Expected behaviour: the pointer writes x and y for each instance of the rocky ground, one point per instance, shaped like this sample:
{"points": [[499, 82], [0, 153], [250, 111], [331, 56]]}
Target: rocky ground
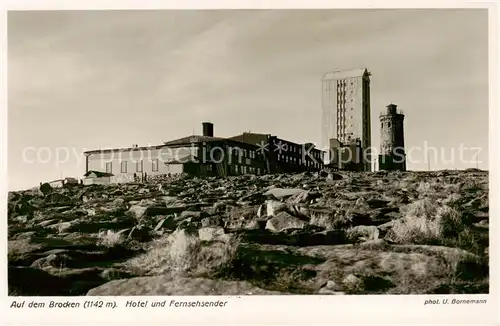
{"points": [[328, 233]]}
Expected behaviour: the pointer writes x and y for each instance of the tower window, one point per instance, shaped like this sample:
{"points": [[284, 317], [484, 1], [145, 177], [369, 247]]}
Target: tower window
{"points": [[389, 124]]}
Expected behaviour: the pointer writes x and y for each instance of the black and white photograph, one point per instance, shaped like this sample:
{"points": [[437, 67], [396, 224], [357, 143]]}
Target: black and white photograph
{"points": [[248, 152]]}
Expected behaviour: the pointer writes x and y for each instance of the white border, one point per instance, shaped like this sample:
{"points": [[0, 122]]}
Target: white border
{"points": [[270, 309]]}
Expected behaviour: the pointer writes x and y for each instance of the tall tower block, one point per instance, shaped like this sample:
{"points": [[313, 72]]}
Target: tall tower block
{"points": [[392, 144], [345, 101]]}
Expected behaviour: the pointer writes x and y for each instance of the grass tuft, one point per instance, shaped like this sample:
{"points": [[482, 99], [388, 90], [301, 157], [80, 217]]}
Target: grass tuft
{"points": [[184, 254], [428, 221]]}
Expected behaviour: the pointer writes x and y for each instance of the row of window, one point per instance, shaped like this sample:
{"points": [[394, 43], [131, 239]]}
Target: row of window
{"points": [[235, 151], [317, 154], [139, 166], [313, 164], [284, 147], [290, 159], [294, 149], [247, 153], [343, 83], [242, 169], [307, 163]]}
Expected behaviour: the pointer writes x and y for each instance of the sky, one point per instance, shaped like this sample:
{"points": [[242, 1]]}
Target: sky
{"points": [[84, 80]]}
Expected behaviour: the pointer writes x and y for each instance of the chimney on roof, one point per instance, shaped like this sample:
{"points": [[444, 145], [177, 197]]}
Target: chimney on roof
{"points": [[135, 146], [208, 129]]}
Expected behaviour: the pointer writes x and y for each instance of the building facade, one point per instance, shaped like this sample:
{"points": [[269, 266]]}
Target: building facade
{"points": [[392, 145], [346, 110], [283, 156], [201, 155]]}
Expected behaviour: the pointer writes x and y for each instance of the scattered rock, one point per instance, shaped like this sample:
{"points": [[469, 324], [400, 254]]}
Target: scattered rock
{"points": [[27, 281], [333, 176], [190, 214], [377, 203], [140, 234], [210, 233], [300, 239], [330, 288], [56, 200], [111, 274], [280, 193], [137, 211], [46, 189], [62, 227], [274, 207], [304, 197], [167, 285], [324, 291], [353, 283], [284, 221], [379, 244], [387, 226], [160, 210], [308, 233], [167, 223], [363, 233], [484, 224]]}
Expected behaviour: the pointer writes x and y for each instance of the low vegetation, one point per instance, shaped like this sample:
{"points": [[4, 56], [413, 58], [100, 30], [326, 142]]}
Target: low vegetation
{"points": [[348, 233]]}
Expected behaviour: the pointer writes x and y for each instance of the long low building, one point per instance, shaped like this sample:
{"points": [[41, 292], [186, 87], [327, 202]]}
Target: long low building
{"points": [[284, 156], [204, 155]]}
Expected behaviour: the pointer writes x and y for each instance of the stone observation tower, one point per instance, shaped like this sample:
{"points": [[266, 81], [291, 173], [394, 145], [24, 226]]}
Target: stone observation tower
{"points": [[392, 153]]}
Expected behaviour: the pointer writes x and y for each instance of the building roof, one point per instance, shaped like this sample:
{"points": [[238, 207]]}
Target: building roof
{"points": [[181, 141], [247, 137], [98, 174], [109, 150], [188, 157], [347, 73], [255, 133], [194, 139]]}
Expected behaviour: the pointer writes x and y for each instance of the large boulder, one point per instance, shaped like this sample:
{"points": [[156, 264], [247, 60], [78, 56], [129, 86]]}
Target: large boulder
{"points": [[387, 268], [299, 238], [281, 193], [284, 221], [273, 207], [168, 285], [45, 188]]}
